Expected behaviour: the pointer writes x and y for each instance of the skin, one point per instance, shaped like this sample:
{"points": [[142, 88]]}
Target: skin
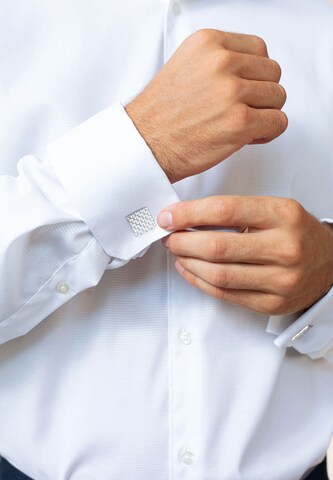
{"points": [[218, 89], [281, 264], [221, 90]]}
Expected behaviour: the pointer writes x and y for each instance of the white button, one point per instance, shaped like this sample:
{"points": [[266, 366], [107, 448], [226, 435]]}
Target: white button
{"points": [[62, 287], [188, 458], [301, 333], [185, 337], [176, 8]]}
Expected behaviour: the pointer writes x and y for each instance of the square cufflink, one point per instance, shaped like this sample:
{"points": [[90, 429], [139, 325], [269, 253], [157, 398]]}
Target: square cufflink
{"points": [[141, 221]]}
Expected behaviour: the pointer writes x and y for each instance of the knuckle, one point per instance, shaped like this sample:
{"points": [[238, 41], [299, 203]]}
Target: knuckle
{"points": [[233, 88], [283, 121], [223, 211], [296, 253], [222, 59], [293, 253], [241, 117], [294, 212], [260, 45], [276, 70], [215, 248], [291, 212], [277, 305], [283, 94], [220, 278], [220, 293], [291, 281], [192, 279], [280, 93], [203, 36], [279, 122], [183, 216]]}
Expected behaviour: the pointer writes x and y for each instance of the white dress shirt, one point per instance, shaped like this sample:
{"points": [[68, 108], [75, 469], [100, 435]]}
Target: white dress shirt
{"points": [[112, 367]]}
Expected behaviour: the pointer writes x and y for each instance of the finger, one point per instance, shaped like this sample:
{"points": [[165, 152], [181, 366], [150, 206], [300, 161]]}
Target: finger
{"points": [[258, 68], [224, 247], [243, 43], [223, 210], [263, 94], [260, 141], [259, 302], [235, 276], [267, 124]]}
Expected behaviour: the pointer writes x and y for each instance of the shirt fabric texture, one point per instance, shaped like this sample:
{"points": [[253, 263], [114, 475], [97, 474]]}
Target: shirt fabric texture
{"points": [[112, 367]]}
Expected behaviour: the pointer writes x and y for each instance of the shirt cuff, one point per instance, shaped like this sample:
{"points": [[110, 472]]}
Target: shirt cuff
{"points": [[327, 220], [115, 182], [310, 333]]}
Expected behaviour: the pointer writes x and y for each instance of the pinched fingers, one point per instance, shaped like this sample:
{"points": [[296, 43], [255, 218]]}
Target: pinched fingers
{"points": [[226, 211]]}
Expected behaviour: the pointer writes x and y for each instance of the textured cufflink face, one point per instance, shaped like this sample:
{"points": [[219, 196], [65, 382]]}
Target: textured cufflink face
{"points": [[141, 221]]}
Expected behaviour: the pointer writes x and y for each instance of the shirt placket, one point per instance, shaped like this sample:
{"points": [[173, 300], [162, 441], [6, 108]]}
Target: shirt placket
{"points": [[182, 398]]}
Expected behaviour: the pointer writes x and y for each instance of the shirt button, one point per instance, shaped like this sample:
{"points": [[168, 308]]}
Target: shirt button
{"points": [[62, 287], [185, 337], [176, 8], [188, 458]]}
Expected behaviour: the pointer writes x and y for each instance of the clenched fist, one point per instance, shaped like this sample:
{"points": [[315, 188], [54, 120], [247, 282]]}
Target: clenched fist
{"points": [[217, 93]]}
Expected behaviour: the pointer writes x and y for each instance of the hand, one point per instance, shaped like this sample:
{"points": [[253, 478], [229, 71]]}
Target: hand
{"points": [[281, 264], [217, 93]]}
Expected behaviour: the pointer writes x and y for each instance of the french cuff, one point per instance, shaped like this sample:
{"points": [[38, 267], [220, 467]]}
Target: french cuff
{"points": [[310, 333], [115, 182]]}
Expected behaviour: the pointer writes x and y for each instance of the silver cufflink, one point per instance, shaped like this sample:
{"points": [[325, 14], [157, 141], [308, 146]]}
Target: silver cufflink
{"points": [[141, 221], [301, 332]]}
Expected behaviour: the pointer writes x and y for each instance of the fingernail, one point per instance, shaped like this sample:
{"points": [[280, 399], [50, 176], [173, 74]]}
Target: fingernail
{"points": [[179, 267], [164, 219]]}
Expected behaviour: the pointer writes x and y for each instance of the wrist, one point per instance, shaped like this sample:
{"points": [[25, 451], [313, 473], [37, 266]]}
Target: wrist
{"points": [[149, 131], [329, 228]]}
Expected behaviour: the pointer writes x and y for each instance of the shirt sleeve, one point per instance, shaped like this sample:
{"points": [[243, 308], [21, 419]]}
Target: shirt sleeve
{"points": [[310, 333], [91, 204]]}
